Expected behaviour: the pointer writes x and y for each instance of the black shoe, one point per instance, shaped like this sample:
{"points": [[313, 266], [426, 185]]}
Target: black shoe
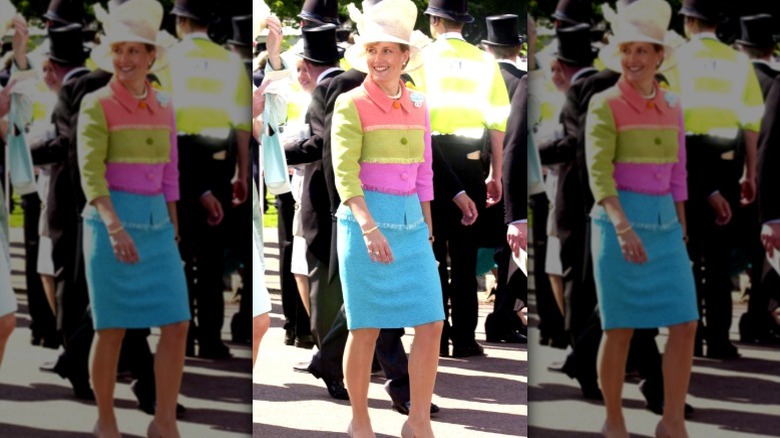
{"points": [[57, 366], [289, 337], [509, 337], [655, 404], [214, 351], [468, 350], [302, 367], [444, 350], [82, 391], [337, 390], [725, 350], [557, 367], [306, 342], [148, 404], [403, 408]]}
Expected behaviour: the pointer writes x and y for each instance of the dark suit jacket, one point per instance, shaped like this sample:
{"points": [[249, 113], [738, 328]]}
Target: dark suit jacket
{"points": [[512, 76], [769, 157], [515, 160], [568, 153], [315, 201], [766, 75], [65, 200]]}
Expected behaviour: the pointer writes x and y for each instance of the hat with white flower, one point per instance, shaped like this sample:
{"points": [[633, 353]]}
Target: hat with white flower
{"points": [[389, 21], [643, 21], [135, 21]]}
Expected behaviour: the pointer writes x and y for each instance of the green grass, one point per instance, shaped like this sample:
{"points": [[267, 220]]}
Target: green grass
{"points": [[271, 217], [16, 219]]}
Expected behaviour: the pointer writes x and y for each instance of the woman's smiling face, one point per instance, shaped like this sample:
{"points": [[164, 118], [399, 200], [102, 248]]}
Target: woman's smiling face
{"points": [[132, 61]]}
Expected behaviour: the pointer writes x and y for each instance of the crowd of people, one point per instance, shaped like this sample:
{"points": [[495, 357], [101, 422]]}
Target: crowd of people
{"points": [[657, 164], [140, 141], [407, 168]]}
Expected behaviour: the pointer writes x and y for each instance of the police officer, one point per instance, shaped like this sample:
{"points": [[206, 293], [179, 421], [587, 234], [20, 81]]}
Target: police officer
{"points": [[213, 111], [721, 98], [462, 119]]}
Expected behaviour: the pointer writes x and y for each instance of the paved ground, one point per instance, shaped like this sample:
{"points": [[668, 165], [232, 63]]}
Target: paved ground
{"points": [[36, 404], [736, 398], [479, 397]]}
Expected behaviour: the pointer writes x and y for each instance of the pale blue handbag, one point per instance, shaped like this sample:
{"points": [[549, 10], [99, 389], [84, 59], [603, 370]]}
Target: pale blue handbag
{"points": [[274, 162], [20, 163]]}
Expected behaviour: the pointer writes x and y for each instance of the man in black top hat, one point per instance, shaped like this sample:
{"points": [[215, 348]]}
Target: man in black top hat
{"points": [[319, 12], [758, 41], [321, 58], [67, 56], [503, 42], [756, 325]]}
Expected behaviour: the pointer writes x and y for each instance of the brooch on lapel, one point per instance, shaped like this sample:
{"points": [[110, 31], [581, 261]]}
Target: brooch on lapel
{"points": [[163, 98], [671, 99], [417, 99]]}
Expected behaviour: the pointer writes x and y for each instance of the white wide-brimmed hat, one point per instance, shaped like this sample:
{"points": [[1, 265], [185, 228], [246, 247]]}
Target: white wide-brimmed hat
{"points": [[643, 21], [7, 14], [135, 21], [389, 21]]}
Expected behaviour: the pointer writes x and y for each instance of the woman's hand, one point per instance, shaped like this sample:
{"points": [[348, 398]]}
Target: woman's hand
{"points": [[124, 247], [631, 246], [378, 247]]}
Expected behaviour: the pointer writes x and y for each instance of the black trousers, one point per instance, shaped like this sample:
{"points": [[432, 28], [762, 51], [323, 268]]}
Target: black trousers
{"points": [[710, 248], [325, 293], [296, 320], [202, 248], [43, 323]]}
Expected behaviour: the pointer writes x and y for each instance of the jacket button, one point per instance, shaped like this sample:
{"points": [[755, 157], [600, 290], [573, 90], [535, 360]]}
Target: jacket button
{"points": [[657, 140], [404, 176], [149, 141], [396, 105], [659, 176], [404, 140], [150, 176]]}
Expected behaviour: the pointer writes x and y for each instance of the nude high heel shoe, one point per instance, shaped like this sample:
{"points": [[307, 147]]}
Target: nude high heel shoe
{"points": [[152, 431], [349, 429], [406, 430]]}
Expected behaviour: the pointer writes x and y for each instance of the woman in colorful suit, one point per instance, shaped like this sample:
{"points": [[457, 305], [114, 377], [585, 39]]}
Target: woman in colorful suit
{"points": [[636, 162], [128, 163], [382, 164]]}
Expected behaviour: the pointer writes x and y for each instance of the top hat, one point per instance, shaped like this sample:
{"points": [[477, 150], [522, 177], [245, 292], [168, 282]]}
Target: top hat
{"points": [[453, 10], [574, 45], [65, 11], [757, 31], [708, 10], [200, 10], [320, 11], [644, 21], [319, 44], [242, 31], [502, 30], [135, 21], [390, 21], [66, 45], [573, 11]]}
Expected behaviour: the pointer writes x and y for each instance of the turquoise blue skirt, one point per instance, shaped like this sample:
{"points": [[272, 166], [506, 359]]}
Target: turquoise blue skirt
{"points": [[658, 293], [405, 293], [150, 293]]}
